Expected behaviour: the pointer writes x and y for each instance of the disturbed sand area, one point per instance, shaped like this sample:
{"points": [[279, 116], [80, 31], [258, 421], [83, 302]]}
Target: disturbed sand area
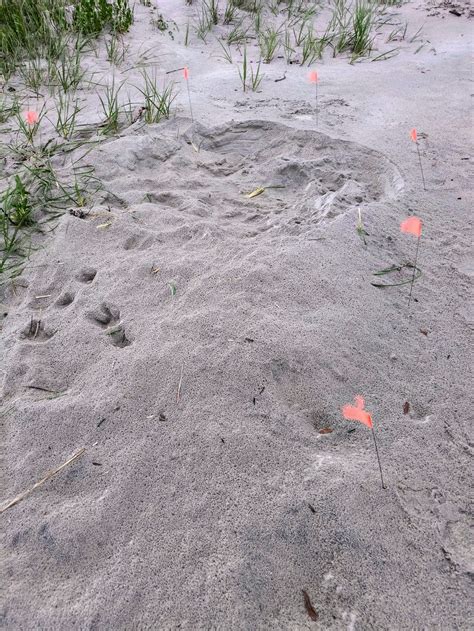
{"points": [[216, 510]]}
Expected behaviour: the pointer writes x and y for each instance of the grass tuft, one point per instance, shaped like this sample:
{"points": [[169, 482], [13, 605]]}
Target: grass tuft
{"points": [[158, 102]]}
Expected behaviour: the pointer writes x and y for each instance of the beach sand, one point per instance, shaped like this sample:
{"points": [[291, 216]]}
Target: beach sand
{"points": [[200, 345]]}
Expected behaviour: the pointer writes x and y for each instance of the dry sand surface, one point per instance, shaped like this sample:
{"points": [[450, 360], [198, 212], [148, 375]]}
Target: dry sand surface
{"points": [[200, 344]]}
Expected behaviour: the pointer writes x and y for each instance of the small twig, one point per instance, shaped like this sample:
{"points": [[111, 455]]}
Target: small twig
{"points": [[38, 324], [175, 70], [49, 475], [178, 393]]}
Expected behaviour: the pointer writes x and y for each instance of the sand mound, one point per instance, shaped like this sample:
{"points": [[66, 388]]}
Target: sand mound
{"points": [[308, 177]]}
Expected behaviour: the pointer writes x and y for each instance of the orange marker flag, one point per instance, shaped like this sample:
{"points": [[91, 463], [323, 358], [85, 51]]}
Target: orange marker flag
{"points": [[414, 137], [357, 413], [31, 117], [186, 73], [313, 78], [412, 225]]}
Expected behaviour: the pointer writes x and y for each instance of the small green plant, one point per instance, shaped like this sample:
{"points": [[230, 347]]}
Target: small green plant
{"points": [[15, 215], [299, 34], [115, 49], [398, 34], [212, 8], [8, 108], [312, 48], [274, 6], [257, 22], [229, 14], [67, 72], [340, 26], [204, 25], [244, 71], [415, 38], [29, 123], [111, 108], [122, 16], [16, 205], [160, 23], [29, 30], [269, 43], [249, 77], [34, 74], [252, 6], [288, 48], [360, 229], [67, 110], [398, 269], [238, 35], [362, 22], [90, 17], [226, 50], [157, 102], [164, 26], [255, 77]]}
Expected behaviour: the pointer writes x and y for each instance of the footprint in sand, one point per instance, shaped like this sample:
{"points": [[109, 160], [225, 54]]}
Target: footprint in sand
{"points": [[65, 299], [108, 317], [138, 242], [87, 275]]}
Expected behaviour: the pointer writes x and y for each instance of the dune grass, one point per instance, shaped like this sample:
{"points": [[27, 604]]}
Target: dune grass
{"points": [[30, 30], [37, 30], [42, 45], [157, 101], [15, 215], [294, 25]]}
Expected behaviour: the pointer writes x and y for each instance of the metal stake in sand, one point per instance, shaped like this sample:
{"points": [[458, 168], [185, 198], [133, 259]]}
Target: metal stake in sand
{"points": [[357, 413], [412, 225], [313, 78], [186, 78], [414, 137]]}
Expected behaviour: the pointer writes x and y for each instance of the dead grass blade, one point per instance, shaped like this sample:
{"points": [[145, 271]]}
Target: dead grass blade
{"points": [[49, 475]]}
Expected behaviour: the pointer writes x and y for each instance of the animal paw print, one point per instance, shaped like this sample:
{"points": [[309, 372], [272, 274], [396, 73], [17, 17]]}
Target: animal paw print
{"points": [[137, 241], [108, 318], [65, 299], [87, 275]]}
